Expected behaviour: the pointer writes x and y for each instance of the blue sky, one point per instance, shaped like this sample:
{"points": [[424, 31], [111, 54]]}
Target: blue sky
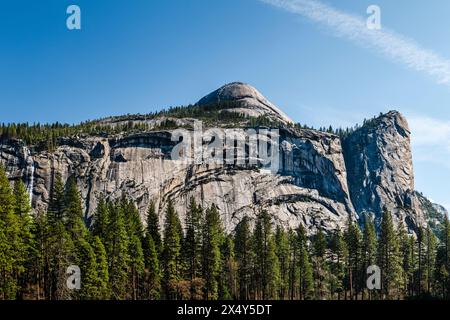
{"points": [[140, 56]]}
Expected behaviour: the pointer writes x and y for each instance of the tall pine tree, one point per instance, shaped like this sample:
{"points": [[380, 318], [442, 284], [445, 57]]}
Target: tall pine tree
{"points": [[227, 280], [212, 240], [354, 273], [338, 268], [283, 254], [443, 261], [171, 255], [430, 259], [193, 244], [389, 257], [244, 257], [26, 250], [369, 248], [117, 251], [153, 226], [152, 287], [267, 265], [10, 241], [303, 263], [320, 264], [102, 281], [407, 260], [101, 219]]}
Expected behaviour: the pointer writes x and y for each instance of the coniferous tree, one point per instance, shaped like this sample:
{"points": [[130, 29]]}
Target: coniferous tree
{"points": [[27, 246], [56, 203], [84, 253], [420, 254], [266, 261], [171, 253], [338, 268], [135, 236], [87, 262], [353, 241], [73, 211], [282, 251], [193, 245], [55, 245], [117, 251], [305, 275], [153, 226], [153, 274], [293, 263], [227, 279], [133, 223], [10, 241], [407, 260], [442, 275], [59, 255], [389, 257], [430, 259], [39, 266], [212, 240], [320, 267], [443, 260], [273, 270], [101, 219], [244, 257], [369, 248], [137, 267], [102, 284]]}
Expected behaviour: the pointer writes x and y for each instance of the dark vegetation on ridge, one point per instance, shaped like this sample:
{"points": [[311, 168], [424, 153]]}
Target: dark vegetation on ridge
{"points": [[46, 137]]}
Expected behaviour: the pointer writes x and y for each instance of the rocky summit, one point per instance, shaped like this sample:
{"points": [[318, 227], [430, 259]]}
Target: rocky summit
{"points": [[322, 179], [244, 99]]}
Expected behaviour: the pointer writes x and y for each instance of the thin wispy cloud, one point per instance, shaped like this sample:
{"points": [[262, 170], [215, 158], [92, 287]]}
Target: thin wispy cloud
{"points": [[430, 132], [430, 140], [387, 42]]}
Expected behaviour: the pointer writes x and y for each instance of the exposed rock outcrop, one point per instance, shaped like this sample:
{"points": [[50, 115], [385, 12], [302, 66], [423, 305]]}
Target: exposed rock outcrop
{"points": [[310, 187], [380, 169], [243, 98], [434, 213], [319, 182]]}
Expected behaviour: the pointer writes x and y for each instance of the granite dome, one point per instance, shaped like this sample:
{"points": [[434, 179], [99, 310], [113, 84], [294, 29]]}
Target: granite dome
{"points": [[244, 99]]}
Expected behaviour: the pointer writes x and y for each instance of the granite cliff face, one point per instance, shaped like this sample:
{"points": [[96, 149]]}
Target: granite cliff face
{"points": [[320, 181], [380, 170]]}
